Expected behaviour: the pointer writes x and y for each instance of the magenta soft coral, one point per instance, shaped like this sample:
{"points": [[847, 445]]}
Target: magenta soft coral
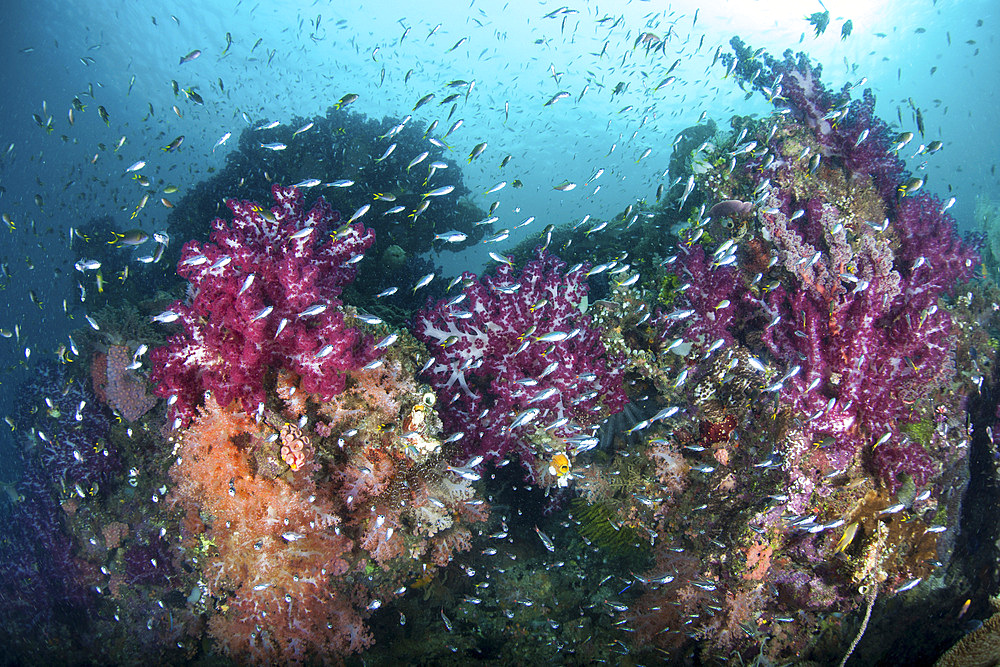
{"points": [[513, 327], [255, 263], [873, 348]]}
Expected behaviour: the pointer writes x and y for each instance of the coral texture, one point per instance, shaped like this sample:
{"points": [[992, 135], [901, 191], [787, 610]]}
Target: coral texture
{"points": [[264, 294], [516, 347], [125, 391], [275, 547]]}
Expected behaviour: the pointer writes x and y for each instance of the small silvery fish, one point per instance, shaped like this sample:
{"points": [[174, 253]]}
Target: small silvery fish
{"points": [[524, 417], [313, 310], [262, 313], [360, 212], [499, 236], [424, 281], [440, 191], [281, 326], [453, 236], [387, 153], [387, 341], [546, 540], [417, 160], [221, 141], [246, 284], [464, 473], [166, 317]]}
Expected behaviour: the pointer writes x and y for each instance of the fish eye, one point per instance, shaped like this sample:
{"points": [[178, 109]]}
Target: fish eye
{"points": [[429, 399]]}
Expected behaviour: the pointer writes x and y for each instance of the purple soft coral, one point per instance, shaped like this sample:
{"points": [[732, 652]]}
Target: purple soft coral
{"points": [[515, 343]]}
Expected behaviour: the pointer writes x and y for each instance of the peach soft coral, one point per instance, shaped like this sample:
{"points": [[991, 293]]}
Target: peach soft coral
{"points": [[275, 550]]}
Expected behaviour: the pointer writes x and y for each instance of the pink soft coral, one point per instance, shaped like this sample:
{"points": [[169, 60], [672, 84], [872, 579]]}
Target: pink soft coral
{"points": [[264, 294]]}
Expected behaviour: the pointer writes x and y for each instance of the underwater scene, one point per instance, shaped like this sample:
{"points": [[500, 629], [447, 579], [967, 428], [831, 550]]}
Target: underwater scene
{"points": [[501, 333]]}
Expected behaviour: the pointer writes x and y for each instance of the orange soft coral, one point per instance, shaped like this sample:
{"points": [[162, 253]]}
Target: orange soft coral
{"points": [[758, 561], [277, 548], [286, 386]]}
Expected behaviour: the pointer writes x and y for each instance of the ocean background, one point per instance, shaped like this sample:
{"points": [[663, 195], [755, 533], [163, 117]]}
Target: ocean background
{"points": [[296, 59]]}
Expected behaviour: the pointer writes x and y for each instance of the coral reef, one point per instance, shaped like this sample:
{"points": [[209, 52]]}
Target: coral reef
{"points": [[274, 546], [300, 529], [808, 349], [68, 432]]}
